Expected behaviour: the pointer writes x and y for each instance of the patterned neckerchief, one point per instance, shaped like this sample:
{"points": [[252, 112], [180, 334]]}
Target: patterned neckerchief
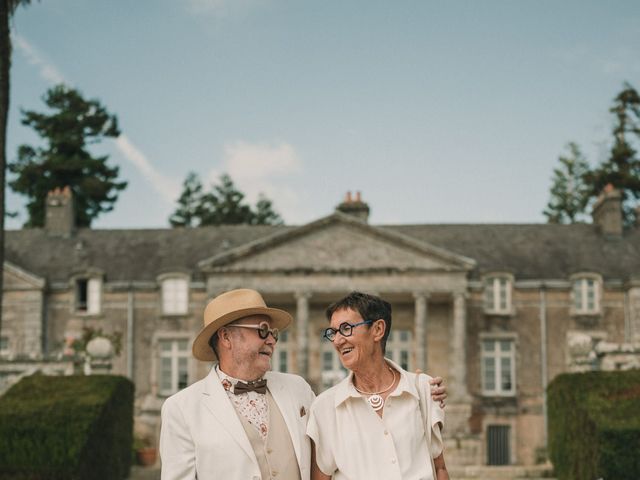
{"points": [[251, 405]]}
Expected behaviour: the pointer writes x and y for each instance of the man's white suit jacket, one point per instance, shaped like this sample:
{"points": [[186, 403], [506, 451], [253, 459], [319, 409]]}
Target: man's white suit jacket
{"points": [[202, 437]]}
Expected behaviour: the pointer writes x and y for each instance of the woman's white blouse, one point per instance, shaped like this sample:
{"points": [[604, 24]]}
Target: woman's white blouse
{"points": [[353, 442]]}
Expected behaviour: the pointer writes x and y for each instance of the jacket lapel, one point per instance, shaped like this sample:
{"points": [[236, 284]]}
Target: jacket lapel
{"points": [[217, 402], [285, 400]]}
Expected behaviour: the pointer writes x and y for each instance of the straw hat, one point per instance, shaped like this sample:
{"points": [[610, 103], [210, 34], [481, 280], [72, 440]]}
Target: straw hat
{"points": [[231, 306]]}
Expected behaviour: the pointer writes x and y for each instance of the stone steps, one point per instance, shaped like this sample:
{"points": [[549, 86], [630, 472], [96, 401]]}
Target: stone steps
{"points": [[510, 472]]}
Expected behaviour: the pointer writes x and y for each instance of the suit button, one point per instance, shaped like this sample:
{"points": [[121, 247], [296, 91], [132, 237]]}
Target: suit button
{"points": [[269, 451], [274, 473]]}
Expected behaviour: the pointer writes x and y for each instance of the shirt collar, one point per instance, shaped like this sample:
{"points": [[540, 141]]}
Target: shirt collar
{"points": [[227, 380], [346, 390]]}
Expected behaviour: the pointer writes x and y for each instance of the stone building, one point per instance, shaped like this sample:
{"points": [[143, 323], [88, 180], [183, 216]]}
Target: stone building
{"points": [[495, 309]]}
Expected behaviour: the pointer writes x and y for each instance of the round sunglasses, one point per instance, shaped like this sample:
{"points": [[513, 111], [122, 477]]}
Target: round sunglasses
{"points": [[262, 328]]}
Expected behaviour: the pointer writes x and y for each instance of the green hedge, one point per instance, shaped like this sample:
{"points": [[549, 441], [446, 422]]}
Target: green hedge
{"points": [[594, 425], [77, 427]]}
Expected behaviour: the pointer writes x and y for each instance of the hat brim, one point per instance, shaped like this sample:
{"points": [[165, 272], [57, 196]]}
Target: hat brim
{"points": [[203, 351]]}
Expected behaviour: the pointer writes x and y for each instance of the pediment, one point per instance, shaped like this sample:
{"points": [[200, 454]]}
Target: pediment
{"points": [[337, 243], [16, 278]]}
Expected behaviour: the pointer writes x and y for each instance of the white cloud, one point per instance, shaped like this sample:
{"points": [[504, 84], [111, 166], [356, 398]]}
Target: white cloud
{"points": [[268, 169], [47, 70], [244, 160], [167, 187]]}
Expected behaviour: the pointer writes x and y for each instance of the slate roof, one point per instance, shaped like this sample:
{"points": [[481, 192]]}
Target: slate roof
{"points": [[529, 251], [124, 255], [536, 251]]}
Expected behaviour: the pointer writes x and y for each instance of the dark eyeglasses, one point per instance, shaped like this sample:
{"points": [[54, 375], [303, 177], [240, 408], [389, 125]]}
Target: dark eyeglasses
{"points": [[263, 330], [345, 329]]}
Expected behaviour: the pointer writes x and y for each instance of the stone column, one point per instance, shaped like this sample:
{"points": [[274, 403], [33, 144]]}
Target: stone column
{"points": [[458, 360], [302, 338], [420, 323]]}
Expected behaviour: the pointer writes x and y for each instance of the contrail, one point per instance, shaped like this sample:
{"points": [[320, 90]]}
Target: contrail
{"points": [[167, 187], [47, 71]]}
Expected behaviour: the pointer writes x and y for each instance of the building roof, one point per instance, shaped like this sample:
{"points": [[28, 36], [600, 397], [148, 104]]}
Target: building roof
{"points": [[528, 251], [537, 251]]}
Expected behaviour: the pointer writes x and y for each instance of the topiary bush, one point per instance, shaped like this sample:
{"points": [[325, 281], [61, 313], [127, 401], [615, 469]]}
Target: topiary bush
{"points": [[74, 427], [594, 425]]}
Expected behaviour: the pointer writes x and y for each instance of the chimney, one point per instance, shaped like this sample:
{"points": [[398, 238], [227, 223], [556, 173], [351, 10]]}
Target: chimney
{"points": [[607, 211], [354, 206], [59, 212]]}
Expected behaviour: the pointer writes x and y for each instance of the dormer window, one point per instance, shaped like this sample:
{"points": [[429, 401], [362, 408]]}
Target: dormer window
{"points": [[497, 294], [88, 295], [585, 294], [175, 295]]}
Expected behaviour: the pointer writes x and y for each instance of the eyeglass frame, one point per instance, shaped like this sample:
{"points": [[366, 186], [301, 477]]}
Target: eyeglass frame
{"points": [[262, 329], [334, 331]]}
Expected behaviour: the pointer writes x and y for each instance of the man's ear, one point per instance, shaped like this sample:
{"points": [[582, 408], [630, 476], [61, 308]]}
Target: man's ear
{"points": [[223, 337]]}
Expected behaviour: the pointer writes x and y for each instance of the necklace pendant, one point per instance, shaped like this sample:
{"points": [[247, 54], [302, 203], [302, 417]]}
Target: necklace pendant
{"points": [[376, 402]]}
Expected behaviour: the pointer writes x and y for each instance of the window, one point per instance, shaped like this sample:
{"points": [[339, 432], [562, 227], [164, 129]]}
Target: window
{"points": [[280, 360], [586, 295], [498, 445], [88, 295], [497, 294], [498, 367], [399, 347], [174, 363], [175, 296], [4, 345], [332, 369]]}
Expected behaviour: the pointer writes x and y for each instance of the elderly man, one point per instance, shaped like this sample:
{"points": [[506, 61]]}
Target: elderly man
{"points": [[241, 421]]}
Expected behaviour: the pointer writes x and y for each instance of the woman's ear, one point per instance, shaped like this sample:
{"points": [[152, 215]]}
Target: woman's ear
{"points": [[379, 328]]}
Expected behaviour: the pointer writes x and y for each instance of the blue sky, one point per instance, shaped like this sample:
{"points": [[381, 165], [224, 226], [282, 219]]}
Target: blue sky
{"points": [[438, 112]]}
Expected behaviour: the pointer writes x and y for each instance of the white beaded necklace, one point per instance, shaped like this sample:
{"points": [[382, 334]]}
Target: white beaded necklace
{"points": [[375, 400]]}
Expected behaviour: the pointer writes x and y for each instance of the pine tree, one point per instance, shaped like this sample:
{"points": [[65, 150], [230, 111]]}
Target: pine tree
{"points": [[265, 214], [73, 124], [622, 168], [569, 192], [223, 204], [187, 214]]}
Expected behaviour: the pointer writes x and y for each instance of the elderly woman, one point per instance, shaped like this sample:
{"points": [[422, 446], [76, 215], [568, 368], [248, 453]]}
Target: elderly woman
{"points": [[370, 425]]}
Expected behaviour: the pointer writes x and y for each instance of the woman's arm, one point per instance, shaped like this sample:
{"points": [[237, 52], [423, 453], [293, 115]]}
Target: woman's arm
{"points": [[441, 468], [316, 473]]}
